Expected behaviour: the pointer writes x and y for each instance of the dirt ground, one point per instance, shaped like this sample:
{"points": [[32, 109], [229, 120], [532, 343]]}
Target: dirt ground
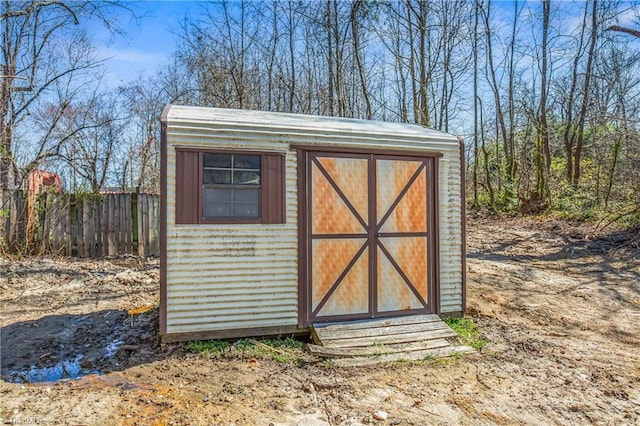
{"points": [[559, 306]]}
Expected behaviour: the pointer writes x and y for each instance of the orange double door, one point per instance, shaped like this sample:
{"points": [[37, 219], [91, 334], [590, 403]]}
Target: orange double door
{"points": [[368, 229]]}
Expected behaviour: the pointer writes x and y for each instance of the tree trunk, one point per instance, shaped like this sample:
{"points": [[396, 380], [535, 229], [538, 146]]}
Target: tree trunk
{"points": [[422, 61], [569, 134], [475, 105], [510, 146], [412, 64], [331, 74], [8, 177], [543, 152], [355, 7], [338, 65], [292, 88], [585, 99], [501, 128]]}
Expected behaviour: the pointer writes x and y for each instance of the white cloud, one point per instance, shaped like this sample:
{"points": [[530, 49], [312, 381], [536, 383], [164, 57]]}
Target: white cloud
{"points": [[628, 17], [126, 64], [131, 56]]}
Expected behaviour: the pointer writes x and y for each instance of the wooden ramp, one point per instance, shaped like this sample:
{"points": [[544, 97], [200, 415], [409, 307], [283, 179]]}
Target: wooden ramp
{"points": [[384, 340]]}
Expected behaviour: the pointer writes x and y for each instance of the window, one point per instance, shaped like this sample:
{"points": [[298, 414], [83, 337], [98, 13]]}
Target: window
{"points": [[229, 187]]}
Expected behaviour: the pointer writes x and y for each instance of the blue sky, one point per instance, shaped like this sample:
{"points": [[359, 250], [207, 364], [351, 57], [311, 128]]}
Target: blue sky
{"points": [[151, 38], [148, 41]]}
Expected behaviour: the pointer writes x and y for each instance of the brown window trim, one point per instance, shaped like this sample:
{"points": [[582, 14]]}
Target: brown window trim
{"points": [[189, 207]]}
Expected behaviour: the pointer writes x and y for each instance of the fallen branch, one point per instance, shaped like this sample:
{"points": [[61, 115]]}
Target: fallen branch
{"points": [[614, 219]]}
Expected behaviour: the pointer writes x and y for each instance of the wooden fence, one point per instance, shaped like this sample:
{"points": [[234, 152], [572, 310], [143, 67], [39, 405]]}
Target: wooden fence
{"points": [[93, 225]]}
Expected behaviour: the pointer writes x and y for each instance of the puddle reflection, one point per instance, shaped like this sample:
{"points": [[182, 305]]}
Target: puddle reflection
{"points": [[64, 370]]}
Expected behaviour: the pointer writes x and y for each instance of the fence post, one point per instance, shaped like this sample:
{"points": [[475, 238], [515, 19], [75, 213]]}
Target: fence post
{"points": [[87, 227], [97, 226], [105, 225], [32, 219], [55, 224], [115, 223], [18, 232], [135, 237], [46, 204], [128, 236], [156, 225], [58, 230], [145, 225], [68, 232], [80, 227], [119, 224]]}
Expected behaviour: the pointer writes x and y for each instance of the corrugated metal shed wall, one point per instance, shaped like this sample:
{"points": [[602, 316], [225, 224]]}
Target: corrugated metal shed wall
{"points": [[240, 276], [450, 233]]}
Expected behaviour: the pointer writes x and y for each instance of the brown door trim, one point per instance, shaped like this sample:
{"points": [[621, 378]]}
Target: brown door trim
{"points": [[373, 251], [434, 241], [395, 154], [303, 239], [307, 156]]}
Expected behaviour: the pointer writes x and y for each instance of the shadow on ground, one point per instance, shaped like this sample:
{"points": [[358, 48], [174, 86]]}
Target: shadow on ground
{"points": [[56, 347], [573, 245]]}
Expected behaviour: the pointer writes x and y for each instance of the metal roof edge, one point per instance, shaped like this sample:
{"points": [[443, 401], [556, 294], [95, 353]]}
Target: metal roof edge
{"points": [[184, 113], [165, 113]]}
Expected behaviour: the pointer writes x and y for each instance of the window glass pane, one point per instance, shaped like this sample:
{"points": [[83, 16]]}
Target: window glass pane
{"points": [[246, 178], [217, 194], [213, 206], [217, 160], [246, 210], [220, 203], [246, 161], [217, 210], [244, 195], [216, 176]]}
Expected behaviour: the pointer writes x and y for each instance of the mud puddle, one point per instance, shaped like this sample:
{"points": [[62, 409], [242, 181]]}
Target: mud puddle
{"points": [[73, 368], [64, 370], [62, 347]]}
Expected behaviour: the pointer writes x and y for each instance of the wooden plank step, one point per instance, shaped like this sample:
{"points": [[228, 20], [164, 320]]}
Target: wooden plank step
{"points": [[325, 334], [379, 322], [335, 352], [389, 339], [403, 356]]}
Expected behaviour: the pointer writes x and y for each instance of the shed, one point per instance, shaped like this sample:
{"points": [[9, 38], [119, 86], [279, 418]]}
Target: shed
{"points": [[272, 222]]}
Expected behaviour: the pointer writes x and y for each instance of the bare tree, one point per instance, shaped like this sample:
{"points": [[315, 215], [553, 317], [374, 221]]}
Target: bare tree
{"points": [[535, 100], [42, 51], [585, 99], [476, 14], [358, 12], [570, 131], [543, 151], [493, 81], [88, 135], [143, 107]]}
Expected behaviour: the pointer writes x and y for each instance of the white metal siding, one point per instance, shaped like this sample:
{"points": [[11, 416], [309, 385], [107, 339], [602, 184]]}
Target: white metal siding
{"points": [[450, 231], [240, 276], [230, 276]]}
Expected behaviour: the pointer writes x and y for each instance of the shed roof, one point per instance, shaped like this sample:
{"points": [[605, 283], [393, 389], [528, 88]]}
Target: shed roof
{"points": [[300, 122]]}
